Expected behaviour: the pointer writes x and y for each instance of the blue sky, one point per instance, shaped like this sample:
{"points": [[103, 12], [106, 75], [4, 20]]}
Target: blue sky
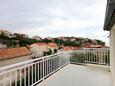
{"points": [[80, 18]]}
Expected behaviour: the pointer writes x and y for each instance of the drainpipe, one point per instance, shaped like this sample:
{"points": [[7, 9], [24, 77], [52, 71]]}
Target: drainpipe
{"points": [[112, 53]]}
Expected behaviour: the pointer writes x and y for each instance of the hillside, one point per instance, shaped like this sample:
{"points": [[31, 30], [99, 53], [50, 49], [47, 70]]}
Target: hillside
{"points": [[74, 41], [16, 39]]}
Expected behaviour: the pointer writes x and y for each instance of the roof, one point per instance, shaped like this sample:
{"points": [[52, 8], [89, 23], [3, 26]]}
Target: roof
{"points": [[70, 48], [110, 15], [13, 52], [40, 44], [67, 48], [97, 46], [52, 45]]}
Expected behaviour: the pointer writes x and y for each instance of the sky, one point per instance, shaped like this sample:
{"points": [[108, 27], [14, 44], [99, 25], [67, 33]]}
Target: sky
{"points": [[53, 18]]}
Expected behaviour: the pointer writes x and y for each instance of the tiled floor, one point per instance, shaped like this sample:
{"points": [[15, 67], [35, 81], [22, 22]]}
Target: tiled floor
{"points": [[75, 75]]}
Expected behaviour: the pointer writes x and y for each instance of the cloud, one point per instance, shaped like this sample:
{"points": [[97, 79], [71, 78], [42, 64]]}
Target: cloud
{"points": [[54, 17]]}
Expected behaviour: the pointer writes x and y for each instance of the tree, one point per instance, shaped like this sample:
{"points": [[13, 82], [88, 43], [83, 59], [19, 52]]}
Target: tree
{"points": [[69, 43], [46, 40], [78, 43], [49, 52], [58, 41], [3, 36], [55, 50], [27, 41], [100, 42]]}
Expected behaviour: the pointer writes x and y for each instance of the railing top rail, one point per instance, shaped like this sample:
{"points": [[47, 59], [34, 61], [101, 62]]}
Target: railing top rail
{"points": [[2, 69], [96, 49], [26, 62]]}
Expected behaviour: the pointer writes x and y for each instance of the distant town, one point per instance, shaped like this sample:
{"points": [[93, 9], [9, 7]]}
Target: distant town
{"points": [[16, 45]]}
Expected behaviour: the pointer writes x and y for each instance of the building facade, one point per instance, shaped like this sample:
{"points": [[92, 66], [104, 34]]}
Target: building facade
{"points": [[52, 46], [2, 46], [38, 49], [110, 26]]}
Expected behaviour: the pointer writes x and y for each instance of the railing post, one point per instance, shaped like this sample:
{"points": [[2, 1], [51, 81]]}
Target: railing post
{"points": [[4, 78], [68, 59], [43, 68], [49, 64], [59, 62], [85, 55]]}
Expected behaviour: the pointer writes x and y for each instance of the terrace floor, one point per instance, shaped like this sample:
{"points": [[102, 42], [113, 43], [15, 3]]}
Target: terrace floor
{"points": [[76, 75]]}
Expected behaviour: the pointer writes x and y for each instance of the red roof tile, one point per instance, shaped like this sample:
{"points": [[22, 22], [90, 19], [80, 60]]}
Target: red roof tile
{"points": [[70, 48], [52, 45], [40, 44]]}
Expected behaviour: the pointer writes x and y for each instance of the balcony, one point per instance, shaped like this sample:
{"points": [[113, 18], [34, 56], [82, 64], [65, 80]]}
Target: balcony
{"points": [[76, 75], [88, 67]]}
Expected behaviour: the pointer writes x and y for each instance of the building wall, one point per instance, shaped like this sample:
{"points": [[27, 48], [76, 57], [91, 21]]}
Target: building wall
{"points": [[14, 60], [38, 50], [3, 45], [52, 48], [112, 54]]}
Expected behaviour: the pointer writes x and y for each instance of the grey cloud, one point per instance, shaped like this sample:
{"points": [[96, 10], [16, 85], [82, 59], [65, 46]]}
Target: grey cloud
{"points": [[32, 15]]}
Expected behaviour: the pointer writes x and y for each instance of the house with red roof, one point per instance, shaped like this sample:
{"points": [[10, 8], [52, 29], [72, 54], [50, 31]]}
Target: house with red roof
{"points": [[38, 49], [53, 46]]}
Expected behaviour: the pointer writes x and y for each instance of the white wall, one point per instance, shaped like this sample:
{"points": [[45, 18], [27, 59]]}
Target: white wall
{"points": [[112, 54], [38, 50], [52, 49]]}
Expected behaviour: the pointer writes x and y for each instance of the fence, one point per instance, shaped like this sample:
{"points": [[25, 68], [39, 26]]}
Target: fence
{"points": [[29, 73], [94, 56]]}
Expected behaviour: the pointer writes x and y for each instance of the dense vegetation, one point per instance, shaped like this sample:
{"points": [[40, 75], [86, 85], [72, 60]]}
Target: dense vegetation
{"points": [[18, 39]]}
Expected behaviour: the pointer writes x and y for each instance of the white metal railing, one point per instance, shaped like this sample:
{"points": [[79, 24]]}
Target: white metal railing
{"points": [[31, 72], [96, 56]]}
